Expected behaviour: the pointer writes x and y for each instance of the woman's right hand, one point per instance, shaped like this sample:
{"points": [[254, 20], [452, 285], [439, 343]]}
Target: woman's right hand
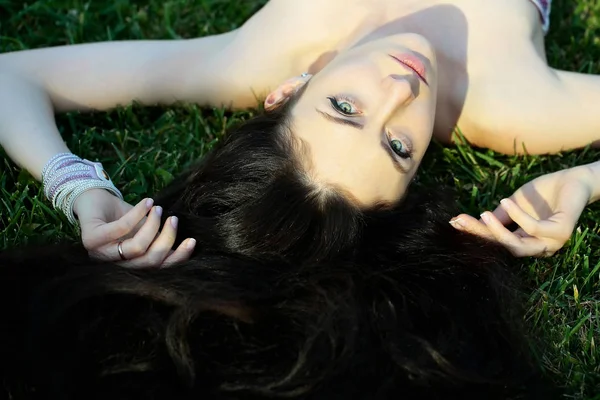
{"points": [[108, 223]]}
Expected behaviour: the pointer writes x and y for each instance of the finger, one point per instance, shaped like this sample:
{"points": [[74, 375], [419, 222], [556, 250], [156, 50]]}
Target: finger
{"points": [[518, 242], [530, 225], [555, 227], [519, 247], [502, 215], [500, 232], [521, 233], [160, 248], [467, 223], [183, 253], [139, 244], [107, 233]]}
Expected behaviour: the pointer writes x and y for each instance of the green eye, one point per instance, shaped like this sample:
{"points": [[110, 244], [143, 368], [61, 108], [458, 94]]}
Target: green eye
{"points": [[344, 107], [399, 148]]}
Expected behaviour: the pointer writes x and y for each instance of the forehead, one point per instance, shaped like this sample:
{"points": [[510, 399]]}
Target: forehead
{"points": [[351, 159]]}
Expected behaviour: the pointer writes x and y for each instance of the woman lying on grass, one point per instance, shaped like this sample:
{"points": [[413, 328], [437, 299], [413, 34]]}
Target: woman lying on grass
{"points": [[292, 292], [381, 82], [316, 273]]}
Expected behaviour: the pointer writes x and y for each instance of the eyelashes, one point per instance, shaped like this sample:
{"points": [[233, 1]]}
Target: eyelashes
{"points": [[347, 107], [398, 146], [344, 106]]}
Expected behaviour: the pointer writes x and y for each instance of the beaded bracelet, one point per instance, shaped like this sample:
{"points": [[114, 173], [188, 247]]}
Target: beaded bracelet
{"points": [[66, 176]]}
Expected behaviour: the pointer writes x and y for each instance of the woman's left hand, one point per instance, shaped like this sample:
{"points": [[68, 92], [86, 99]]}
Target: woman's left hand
{"points": [[546, 211]]}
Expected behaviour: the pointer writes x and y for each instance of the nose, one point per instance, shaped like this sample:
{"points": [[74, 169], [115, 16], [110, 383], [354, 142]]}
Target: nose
{"points": [[399, 91]]}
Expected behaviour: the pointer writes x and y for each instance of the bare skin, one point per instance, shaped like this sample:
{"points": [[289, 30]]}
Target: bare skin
{"points": [[487, 75], [495, 84]]}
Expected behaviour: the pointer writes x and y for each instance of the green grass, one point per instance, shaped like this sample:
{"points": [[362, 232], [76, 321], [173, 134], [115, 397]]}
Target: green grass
{"points": [[144, 147]]}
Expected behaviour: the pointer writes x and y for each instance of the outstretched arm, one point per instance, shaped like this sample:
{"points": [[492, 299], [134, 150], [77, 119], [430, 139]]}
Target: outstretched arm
{"points": [[529, 107], [35, 84]]}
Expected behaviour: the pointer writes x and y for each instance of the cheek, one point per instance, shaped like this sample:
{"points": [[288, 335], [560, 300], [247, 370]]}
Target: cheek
{"points": [[347, 72], [426, 111], [422, 120]]}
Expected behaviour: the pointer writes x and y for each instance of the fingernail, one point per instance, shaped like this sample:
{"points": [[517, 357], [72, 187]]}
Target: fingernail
{"points": [[485, 217], [505, 203], [149, 203], [158, 210], [174, 221], [457, 223], [191, 243]]}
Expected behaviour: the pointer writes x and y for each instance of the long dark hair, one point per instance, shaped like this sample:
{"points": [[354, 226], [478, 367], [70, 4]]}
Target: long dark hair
{"points": [[293, 292]]}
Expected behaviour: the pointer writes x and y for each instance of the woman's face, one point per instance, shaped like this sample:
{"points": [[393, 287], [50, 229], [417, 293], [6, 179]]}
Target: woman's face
{"points": [[367, 118]]}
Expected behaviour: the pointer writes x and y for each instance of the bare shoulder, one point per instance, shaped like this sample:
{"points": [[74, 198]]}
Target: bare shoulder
{"points": [[518, 104], [497, 37]]}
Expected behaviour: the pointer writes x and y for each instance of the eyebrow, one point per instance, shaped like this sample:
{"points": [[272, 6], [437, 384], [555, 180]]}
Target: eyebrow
{"points": [[341, 121]]}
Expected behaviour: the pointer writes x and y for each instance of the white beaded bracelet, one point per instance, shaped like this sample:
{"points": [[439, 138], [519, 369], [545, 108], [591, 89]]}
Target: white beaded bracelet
{"points": [[66, 176]]}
